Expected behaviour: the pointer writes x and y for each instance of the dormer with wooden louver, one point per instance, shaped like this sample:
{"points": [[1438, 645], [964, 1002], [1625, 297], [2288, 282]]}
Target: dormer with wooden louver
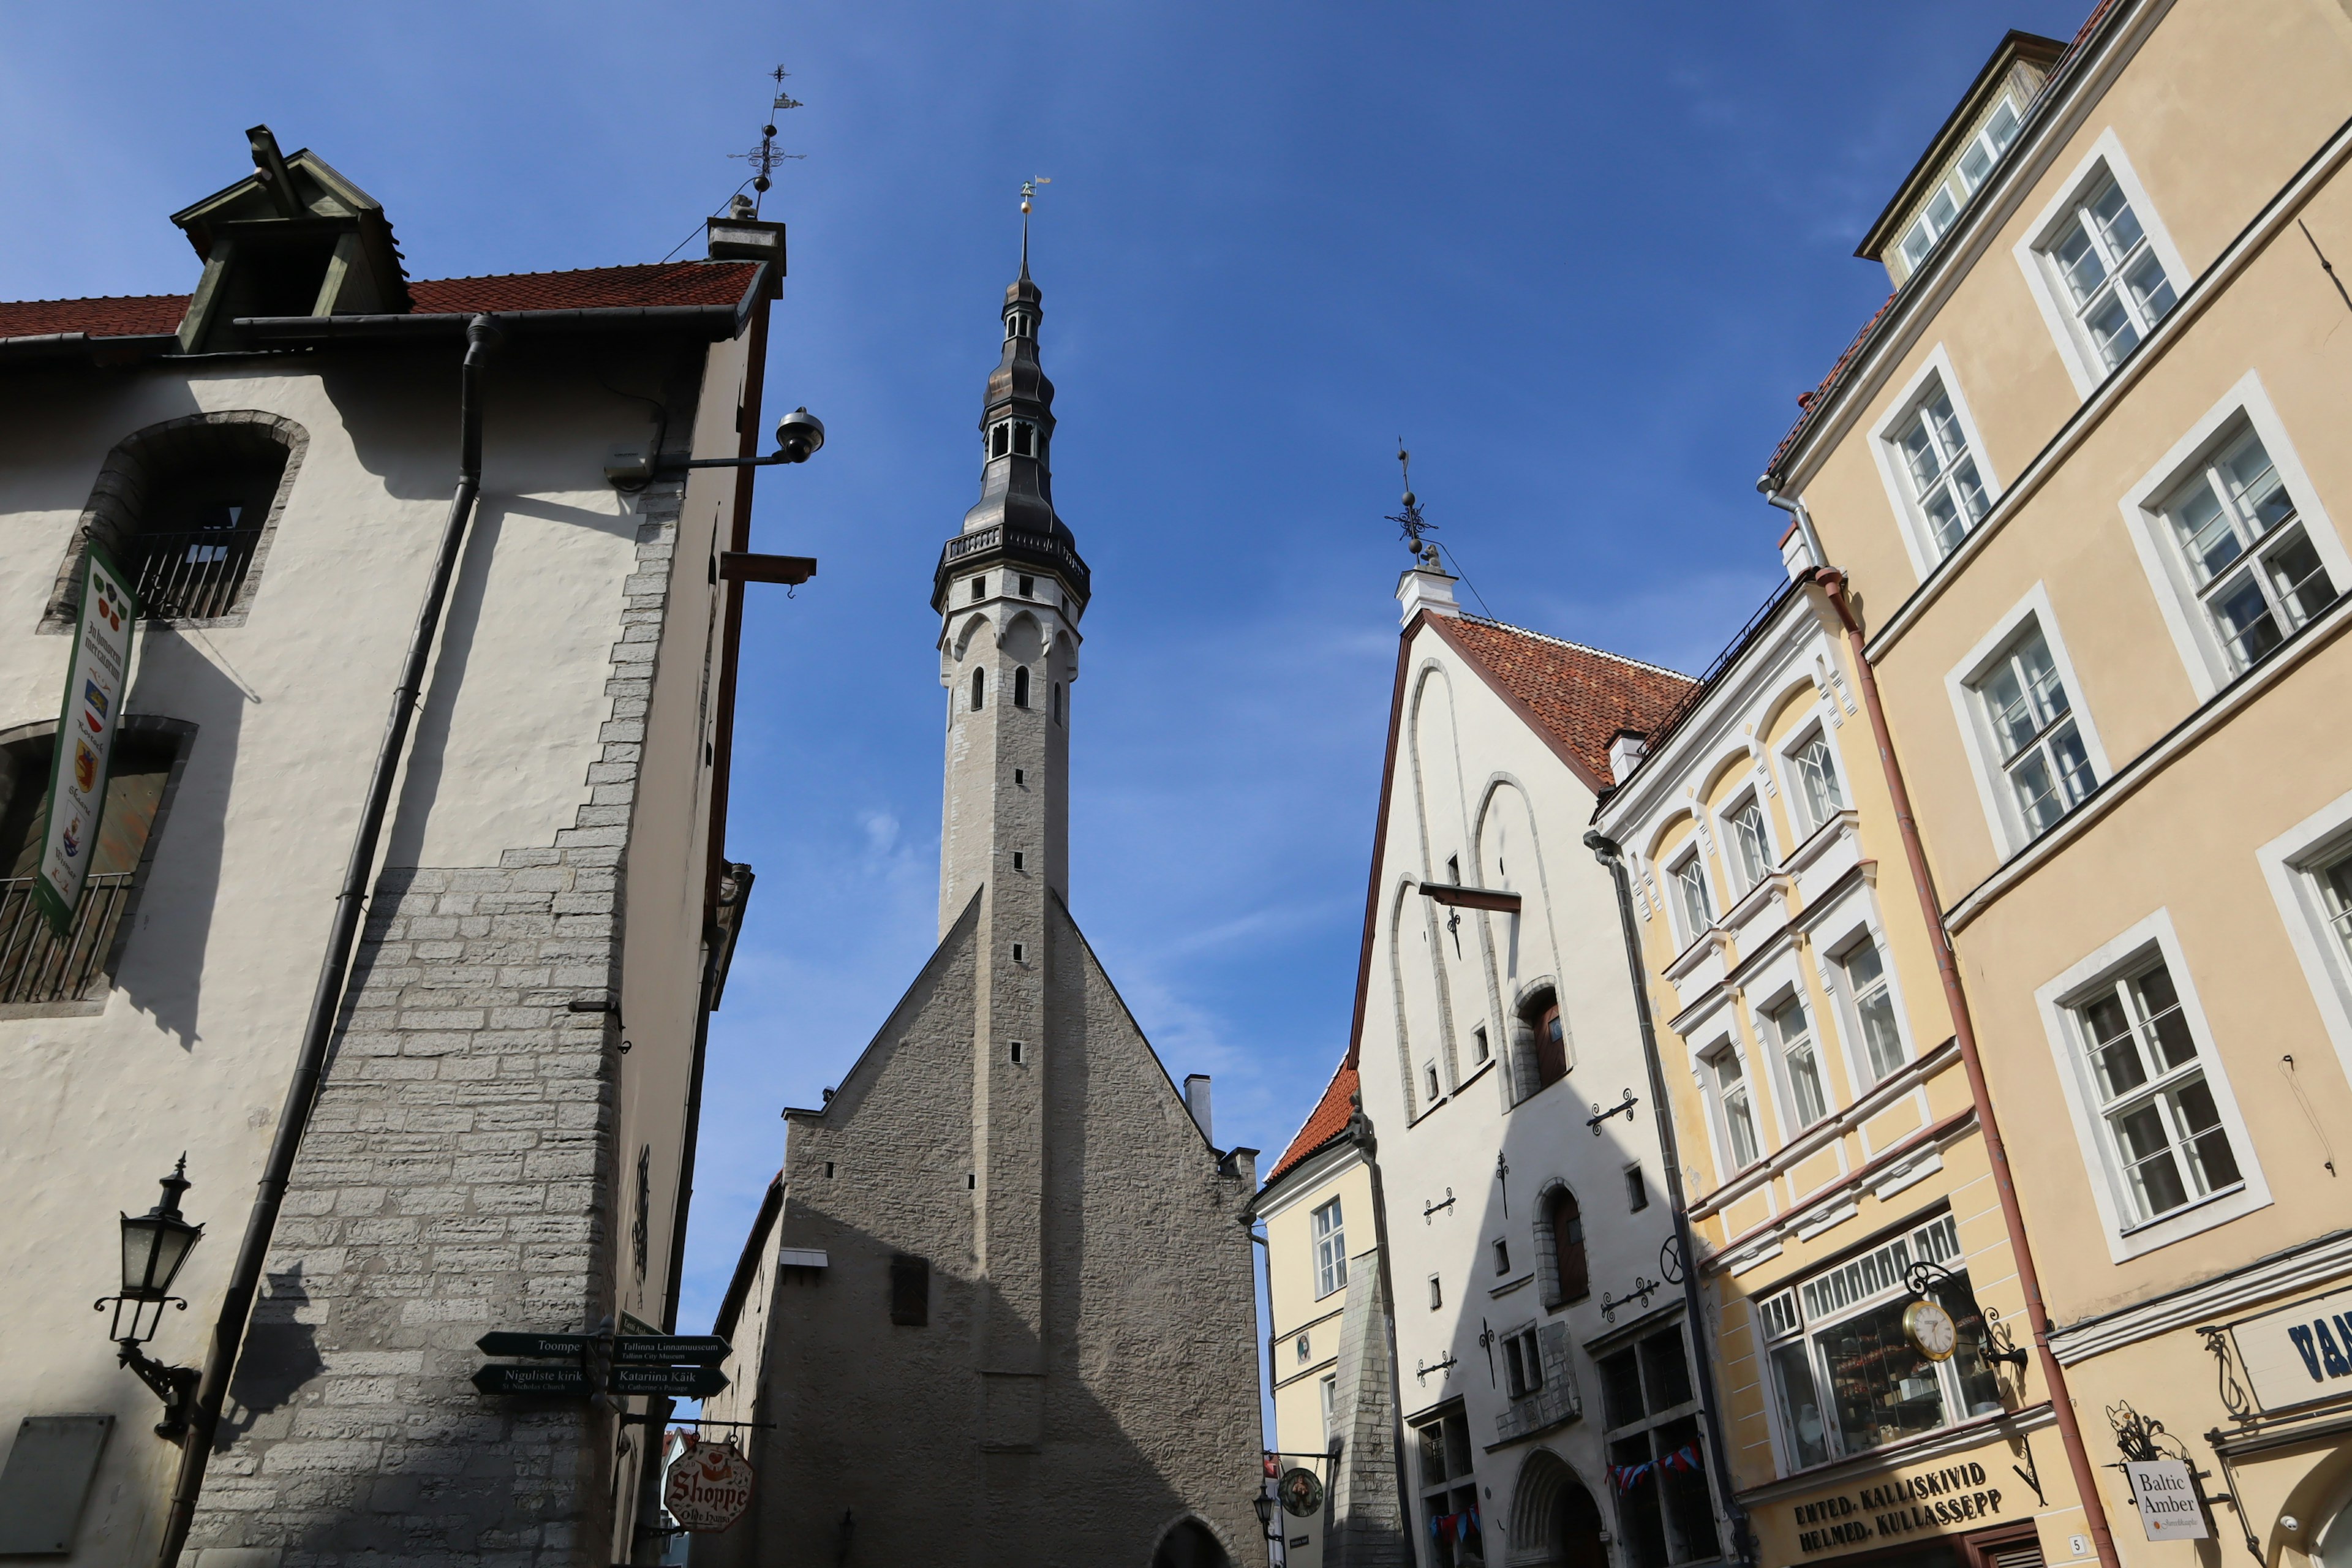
{"points": [[1962, 157], [292, 238]]}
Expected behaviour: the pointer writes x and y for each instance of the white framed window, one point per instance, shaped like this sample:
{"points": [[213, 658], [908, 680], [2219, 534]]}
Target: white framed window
{"points": [[1749, 841], [1430, 1088], [1845, 1378], [1976, 160], [2022, 722], [2232, 536], [1932, 461], [1330, 1249], [2100, 265], [1689, 875], [1790, 1030], [1813, 774], [1870, 994], [2152, 1110], [2309, 869], [1735, 1109], [1330, 1395]]}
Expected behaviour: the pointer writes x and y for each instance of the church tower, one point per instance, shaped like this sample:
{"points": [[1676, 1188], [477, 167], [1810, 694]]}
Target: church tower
{"points": [[1005, 1311]]}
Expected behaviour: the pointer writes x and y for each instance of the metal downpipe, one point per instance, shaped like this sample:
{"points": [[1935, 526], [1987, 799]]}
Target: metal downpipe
{"points": [[482, 335]]}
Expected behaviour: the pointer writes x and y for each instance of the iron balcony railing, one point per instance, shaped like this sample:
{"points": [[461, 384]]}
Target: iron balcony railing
{"points": [[994, 541], [194, 575], [36, 964]]}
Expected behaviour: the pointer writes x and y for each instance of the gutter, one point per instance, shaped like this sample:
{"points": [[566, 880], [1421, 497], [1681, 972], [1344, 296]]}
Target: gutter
{"points": [[483, 334]]}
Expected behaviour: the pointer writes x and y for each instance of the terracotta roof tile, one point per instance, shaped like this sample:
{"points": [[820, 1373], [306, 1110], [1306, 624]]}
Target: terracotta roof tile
{"points": [[1325, 1122], [1582, 695], [662, 283]]}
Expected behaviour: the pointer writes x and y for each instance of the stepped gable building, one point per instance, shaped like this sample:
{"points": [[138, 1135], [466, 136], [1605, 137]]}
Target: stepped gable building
{"points": [[1012, 1313], [271, 460]]}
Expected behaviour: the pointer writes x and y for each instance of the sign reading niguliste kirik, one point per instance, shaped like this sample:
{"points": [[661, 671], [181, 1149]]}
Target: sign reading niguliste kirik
{"points": [[96, 677]]}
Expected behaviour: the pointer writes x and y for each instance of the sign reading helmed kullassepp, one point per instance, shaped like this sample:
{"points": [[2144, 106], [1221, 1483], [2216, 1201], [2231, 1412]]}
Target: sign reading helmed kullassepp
{"points": [[96, 677]]}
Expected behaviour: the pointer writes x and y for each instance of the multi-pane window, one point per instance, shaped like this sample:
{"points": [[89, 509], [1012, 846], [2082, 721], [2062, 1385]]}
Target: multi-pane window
{"points": [[1330, 1249], [2335, 892], [1874, 1007], [1984, 149], [1449, 1491], [1816, 779], [1739, 1115], [1522, 1364], [2162, 1125], [1792, 1035], [2256, 571], [1330, 1393], [1666, 1513], [1846, 1378], [2033, 726], [2114, 280], [1751, 851], [1690, 887], [1945, 483]]}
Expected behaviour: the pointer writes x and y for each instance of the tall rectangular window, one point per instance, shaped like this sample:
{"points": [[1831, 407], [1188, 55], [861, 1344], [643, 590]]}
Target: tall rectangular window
{"points": [[1817, 779], [1330, 1249], [1667, 1514], [2148, 1078], [2041, 754], [1331, 1394], [2336, 893], [2114, 281], [1750, 848], [1792, 1032], [1945, 483], [1732, 1104], [1690, 886], [1874, 1007], [1449, 1491], [2256, 573]]}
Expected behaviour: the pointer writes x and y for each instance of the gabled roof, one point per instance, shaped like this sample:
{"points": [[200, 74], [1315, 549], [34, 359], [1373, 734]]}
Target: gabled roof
{"points": [[1325, 1124], [1578, 696], [592, 287]]}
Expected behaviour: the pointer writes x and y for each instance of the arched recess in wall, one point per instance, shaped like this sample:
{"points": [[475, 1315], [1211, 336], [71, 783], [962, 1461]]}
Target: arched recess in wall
{"points": [[1441, 816], [1405, 904], [1539, 1038], [188, 510], [1563, 1273], [1555, 1523], [1510, 853], [1188, 1542]]}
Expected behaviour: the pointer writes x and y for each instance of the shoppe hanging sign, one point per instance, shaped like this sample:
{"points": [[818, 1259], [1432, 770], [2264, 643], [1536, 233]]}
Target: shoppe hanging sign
{"points": [[1953, 1497], [96, 677], [2293, 1355]]}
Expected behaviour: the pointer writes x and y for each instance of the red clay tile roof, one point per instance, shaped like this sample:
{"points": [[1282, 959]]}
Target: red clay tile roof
{"points": [[662, 283], [1325, 1122], [1581, 695]]}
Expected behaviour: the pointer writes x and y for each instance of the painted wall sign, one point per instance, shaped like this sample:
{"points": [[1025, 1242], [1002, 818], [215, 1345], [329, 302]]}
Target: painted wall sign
{"points": [[1953, 1497], [709, 1485], [2166, 1494], [96, 675], [2299, 1354]]}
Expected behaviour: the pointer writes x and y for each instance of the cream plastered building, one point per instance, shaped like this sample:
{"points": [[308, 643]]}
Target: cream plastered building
{"points": [[1539, 1339], [500, 1135], [1830, 1146], [2088, 482], [1321, 1226]]}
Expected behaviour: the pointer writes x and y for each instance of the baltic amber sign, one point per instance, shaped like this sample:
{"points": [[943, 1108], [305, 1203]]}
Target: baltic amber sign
{"points": [[2298, 1353], [1954, 1498]]}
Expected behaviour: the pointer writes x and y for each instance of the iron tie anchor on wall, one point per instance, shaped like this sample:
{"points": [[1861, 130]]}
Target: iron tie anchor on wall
{"points": [[1624, 1108], [1428, 1209]]}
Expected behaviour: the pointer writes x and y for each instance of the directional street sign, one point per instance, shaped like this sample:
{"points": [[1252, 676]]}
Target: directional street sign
{"points": [[665, 1350], [545, 1347], [561, 1380], [689, 1382]]}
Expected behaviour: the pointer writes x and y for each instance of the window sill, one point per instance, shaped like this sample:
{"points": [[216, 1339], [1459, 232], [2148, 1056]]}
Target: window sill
{"points": [[2219, 1208], [1507, 1286]]}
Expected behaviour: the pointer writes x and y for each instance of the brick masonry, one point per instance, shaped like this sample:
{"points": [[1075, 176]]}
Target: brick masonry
{"points": [[460, 1174]]}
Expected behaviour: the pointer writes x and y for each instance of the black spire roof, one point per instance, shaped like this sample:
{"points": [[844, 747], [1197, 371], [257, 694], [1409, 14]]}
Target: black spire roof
{"points": [[1014, 518]]}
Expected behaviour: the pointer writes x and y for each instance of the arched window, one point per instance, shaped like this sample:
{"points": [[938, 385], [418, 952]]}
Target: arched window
{"points": [[1551, 1047], [1559, 1247], [999, 440], [978, 689], [1021, 686], [1538, 1044]]}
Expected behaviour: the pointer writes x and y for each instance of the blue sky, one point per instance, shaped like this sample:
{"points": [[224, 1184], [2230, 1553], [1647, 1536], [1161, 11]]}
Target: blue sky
{"points": [[1580, 258]]}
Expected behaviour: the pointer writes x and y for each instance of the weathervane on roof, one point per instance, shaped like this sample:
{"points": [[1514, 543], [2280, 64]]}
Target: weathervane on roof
{"points": [[1410, 518], [765, 158]]}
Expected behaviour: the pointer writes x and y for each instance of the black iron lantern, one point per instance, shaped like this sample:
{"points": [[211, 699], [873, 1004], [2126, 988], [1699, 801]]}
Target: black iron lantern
{"points": [[1264, 1503], [154, 1246]]}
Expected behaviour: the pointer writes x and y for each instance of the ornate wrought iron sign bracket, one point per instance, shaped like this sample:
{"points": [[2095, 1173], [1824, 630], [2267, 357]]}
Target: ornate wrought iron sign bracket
{"points": [[1642, 1291]]}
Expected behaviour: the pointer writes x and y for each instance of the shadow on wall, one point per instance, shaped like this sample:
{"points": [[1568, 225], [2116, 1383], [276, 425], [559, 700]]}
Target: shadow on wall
{"points": [[280, 1355]]}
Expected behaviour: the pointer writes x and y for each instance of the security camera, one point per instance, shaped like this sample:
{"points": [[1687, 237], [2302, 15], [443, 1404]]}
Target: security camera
{"points": [[799, 436]]}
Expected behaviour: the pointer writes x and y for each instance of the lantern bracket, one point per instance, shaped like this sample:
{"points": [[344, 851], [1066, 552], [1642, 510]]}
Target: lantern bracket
{"points": [[175, 1386]]}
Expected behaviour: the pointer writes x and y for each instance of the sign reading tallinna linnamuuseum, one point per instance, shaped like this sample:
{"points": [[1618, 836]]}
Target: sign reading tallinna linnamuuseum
{"points": [[96, 677]]}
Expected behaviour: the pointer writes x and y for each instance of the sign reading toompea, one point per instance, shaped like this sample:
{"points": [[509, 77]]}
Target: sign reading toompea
{"points": [[710, 1487]]}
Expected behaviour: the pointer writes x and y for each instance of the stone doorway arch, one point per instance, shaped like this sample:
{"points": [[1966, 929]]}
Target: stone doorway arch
{"points": [[1555, 1523], [1189, 1543]]}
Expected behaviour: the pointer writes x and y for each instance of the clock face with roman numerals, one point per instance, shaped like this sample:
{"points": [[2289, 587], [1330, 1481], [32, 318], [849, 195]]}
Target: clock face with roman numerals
{"points": [[1930, 1329]]}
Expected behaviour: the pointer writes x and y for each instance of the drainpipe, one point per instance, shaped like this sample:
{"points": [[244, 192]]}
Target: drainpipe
{"points": [[1743, 1540], [482, 335], [1956, 999]]}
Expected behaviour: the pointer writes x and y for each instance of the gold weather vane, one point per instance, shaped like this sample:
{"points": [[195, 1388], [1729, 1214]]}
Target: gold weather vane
{"points": [[1029, 191]]}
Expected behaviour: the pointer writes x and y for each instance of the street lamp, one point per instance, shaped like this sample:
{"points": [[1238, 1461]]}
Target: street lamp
{"points": [[154, 1246]]}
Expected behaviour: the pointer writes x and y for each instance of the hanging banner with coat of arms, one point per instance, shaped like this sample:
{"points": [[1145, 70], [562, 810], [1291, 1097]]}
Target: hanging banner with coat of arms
{"points": [[96, 677]]}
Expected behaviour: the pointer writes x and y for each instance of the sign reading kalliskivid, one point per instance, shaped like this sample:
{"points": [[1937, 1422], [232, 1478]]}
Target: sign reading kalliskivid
{"points": [[96, 677]]}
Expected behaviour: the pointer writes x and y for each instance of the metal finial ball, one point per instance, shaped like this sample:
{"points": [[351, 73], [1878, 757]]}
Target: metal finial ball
{"points": [[767, 130], [1024, 206], [760, 184], [1410, 500]]}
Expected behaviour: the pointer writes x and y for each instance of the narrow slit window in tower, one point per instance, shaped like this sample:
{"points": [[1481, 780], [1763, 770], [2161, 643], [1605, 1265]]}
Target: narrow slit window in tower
{"points": [[1020, 953], [999, 440], [1016, 861], [1021, 686], [1017, 1053], [978, 589], [1028, 585], [978, 689], [1024, 439], [1057, 702], [1020, 777]]}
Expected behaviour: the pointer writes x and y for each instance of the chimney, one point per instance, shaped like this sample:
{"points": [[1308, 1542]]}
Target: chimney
{"points": [[1196, 1100], [1428, 586], [1626, 749]]}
